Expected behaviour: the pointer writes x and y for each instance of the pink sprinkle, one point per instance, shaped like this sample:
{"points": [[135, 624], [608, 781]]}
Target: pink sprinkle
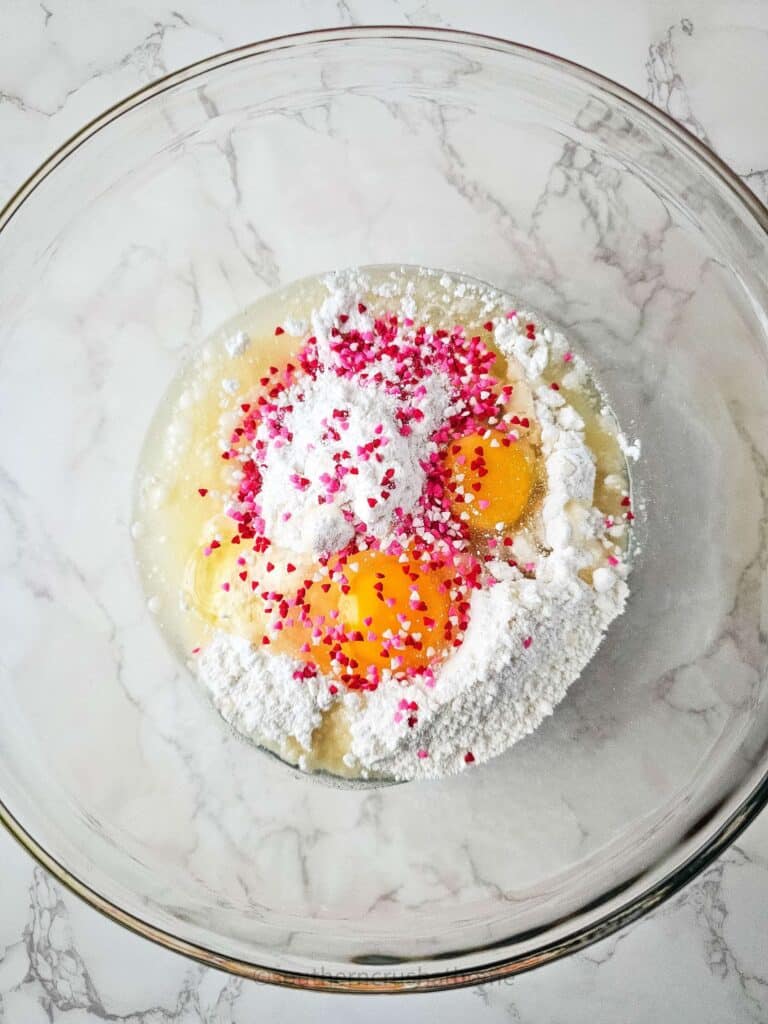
{"points": [[568, 357], [612, 560], [527, 642], [195, 650], [225, 586], [398, 716], [422, 754]]}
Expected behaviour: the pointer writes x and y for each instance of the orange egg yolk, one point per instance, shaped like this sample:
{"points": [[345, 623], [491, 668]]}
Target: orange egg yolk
{"points": [[389, 613], [490, 480]]}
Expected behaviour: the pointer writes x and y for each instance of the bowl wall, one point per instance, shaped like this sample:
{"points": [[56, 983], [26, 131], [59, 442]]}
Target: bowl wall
{"points": [[284, 160]]}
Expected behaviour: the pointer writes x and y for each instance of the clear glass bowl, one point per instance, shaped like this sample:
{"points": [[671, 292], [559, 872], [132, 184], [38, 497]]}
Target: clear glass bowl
{"points": [[168, 215]]}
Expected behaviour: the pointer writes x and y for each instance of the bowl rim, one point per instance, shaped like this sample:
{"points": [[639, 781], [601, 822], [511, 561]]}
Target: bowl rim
{"points": [[584, 935]]}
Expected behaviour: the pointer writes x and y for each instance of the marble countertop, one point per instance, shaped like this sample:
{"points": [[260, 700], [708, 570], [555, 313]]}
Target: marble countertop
{"points": [[703, 956]]}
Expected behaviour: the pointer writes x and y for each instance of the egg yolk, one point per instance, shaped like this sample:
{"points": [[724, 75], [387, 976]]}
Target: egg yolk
{"points": [[206, 573], [491, 479], [388, 613]]}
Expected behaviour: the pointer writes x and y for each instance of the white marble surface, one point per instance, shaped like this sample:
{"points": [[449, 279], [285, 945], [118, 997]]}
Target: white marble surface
{"points": [[701, 957]]}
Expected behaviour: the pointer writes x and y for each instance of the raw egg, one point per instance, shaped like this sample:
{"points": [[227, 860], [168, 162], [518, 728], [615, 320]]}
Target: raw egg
{"points": [[379, 611], [207, 587], [491, 478]]}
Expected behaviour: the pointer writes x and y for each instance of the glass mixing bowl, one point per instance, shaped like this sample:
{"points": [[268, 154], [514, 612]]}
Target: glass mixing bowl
{"points": [[171, 213]]}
